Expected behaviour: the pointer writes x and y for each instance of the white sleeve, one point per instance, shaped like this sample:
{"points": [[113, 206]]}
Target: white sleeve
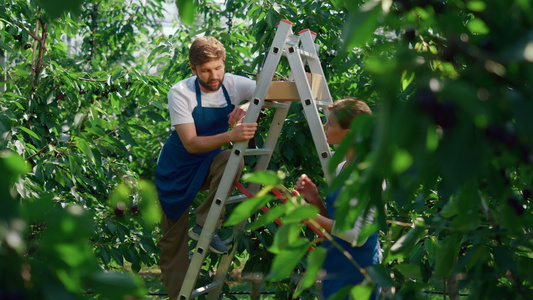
{"points": [[179, 104], [242, 88], [351, 236]]}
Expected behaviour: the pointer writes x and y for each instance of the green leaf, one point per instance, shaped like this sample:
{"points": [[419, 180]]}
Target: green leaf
{"points": [[449, 210], [285, 262], [14, 164], [246, 208], [155, 116], [267, 218], [380, 276], [477, 6], [111, 226], [147, 244], [149, 205], [361, 25], [120, 194], [285, 237], [314, 265], [407, 241], [401, 161], [105, 254], [300, 214], [477, 26], [117, 256], [361, 292], [56, 8], [97, 156], [409, 271], [140, 128], [407, 78], [114, 285], [155, 52], [446, 256], [157, 104], [6, 47], [187, 11], [341, 294], [28, 131], [85, 149], [127, 137], [263, 177]]}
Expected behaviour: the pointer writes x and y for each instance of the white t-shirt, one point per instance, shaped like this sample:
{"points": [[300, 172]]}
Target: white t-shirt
{"points": [[352, 235], [182, 97]]}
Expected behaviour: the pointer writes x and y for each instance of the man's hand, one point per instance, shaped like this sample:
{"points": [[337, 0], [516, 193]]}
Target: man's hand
{"points": [[238, 113], [243, 131]]}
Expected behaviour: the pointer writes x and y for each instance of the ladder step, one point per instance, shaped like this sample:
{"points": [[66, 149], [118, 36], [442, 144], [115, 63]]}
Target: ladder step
{"points": [[236, 199], [275, 104], [322, 103], [204, 289], [307, 55], [257, 152]]}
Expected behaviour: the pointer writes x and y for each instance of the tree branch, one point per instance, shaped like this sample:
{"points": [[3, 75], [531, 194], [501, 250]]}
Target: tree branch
{"points": [[35, 41], [42, 49], [41, 150]]}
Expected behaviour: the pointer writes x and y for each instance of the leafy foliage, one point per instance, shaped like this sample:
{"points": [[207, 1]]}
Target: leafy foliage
{"points": [[83, 117]]}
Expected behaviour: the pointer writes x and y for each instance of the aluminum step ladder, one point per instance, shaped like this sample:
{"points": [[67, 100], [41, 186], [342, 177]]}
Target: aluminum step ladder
{"points": [[299, 50]]}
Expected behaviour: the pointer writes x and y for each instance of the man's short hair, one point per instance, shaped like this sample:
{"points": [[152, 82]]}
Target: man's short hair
{"points": [[346, 110], [205, 49]]}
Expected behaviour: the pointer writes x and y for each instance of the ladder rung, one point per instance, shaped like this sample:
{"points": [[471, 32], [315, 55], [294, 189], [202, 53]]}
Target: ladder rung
{"points": [[257, 152], [307, 55], [236, 199], [275, 104], [322, 103], [204, 289], [304, 55]]}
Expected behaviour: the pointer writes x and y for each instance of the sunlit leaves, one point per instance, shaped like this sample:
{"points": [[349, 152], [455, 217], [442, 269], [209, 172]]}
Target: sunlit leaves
{"points": [[243, 210], [407, 241], [149, 205], [446, 256], [477, 26], [361, 25], [56, 8], [315, 261], [286, 259], [187, 10], [263, 177]]}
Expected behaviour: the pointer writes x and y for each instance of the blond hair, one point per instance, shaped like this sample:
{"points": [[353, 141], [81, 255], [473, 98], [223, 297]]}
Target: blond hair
{"points": [[345, 110], [205, 49]]}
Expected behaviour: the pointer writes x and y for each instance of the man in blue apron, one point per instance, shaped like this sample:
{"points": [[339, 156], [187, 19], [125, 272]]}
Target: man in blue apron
{"points": [[202, 109]]}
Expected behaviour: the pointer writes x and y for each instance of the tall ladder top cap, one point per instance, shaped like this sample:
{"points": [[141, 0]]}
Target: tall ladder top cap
{"points": [[286, 21], [313, 33]]}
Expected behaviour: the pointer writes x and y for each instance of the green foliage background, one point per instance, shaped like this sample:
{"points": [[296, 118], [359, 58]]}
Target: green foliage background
{"points": [[449, 81]]}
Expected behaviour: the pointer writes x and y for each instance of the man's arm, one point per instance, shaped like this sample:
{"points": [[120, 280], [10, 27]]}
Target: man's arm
{"points": [[200, 144]]}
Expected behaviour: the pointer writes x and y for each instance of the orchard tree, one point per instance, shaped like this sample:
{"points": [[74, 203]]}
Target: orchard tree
{"points": [[81, 127]]}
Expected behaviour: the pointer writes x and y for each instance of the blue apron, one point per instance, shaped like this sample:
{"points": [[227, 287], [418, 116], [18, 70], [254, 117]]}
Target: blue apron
{"points": [[179, 174], [340, 272]]}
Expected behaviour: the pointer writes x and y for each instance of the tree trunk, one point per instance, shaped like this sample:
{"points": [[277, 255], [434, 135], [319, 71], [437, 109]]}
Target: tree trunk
{"points": [[451, 289]]}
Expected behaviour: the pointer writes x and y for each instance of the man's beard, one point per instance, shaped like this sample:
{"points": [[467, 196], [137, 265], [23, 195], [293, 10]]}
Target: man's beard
{"points": [[209, 87]]}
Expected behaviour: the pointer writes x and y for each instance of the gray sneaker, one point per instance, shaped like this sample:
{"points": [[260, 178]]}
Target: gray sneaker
{"points": [[216, 245]]}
